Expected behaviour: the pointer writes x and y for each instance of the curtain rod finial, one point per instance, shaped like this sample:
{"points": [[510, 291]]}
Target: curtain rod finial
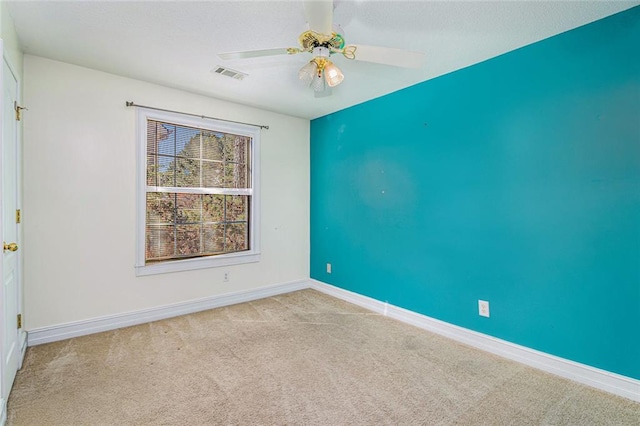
{"points": [[129, 103]]}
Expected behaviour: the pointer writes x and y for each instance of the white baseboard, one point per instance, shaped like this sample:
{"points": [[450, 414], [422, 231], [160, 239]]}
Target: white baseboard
{"points": [[591, 376], [96, 325], [581, 373]]}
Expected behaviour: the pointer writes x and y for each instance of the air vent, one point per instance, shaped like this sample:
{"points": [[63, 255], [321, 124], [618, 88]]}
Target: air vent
{"points": [[228, 72]]}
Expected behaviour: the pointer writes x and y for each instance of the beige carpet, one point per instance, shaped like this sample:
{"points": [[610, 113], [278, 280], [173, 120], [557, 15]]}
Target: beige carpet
{"points": [[302, 358]]}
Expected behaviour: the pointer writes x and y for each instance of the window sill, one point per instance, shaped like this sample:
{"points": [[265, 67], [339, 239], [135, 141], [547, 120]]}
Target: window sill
{"points": [[200, 263]]}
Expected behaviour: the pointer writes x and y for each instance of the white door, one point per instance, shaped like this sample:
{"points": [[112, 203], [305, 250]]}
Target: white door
{"points": [[9, 202]]}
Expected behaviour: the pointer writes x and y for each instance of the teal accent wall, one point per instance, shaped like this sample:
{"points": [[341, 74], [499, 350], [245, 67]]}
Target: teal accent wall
{"points": [[516, 180]]}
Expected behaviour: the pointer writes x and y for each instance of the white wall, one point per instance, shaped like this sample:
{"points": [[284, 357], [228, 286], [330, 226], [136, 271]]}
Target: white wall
{"points": [[79, 197]]}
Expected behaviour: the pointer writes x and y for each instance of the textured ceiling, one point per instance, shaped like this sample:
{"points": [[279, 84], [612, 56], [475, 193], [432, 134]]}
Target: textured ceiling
{"points": [[174, 43]]}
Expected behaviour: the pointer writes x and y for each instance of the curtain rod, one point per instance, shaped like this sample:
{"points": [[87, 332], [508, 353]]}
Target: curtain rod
{"points": [[131, 104]]}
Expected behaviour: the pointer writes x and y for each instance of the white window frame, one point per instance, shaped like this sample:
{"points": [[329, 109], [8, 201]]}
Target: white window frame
{"points": [[226, 259]]}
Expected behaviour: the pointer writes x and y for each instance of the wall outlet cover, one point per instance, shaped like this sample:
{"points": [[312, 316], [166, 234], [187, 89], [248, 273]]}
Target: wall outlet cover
{"points": [[483, 308]]}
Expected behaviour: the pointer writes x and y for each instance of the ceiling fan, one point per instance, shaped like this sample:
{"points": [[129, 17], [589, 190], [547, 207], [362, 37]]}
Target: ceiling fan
{"points": [[322, 40]]}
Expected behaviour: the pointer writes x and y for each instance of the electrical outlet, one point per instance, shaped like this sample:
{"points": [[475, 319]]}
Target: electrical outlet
{"points": [[328, 268], [225, 277], [483, 308]]}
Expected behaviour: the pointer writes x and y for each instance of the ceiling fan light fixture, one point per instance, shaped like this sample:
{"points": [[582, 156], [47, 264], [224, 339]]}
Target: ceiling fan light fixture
{"points": [[308, 72], [319, 84], [332, 74], [321, 51]]}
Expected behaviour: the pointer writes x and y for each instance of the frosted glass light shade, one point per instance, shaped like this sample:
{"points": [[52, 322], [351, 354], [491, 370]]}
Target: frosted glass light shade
{"points": [[318, 84], [332, 74], [308, 72]]}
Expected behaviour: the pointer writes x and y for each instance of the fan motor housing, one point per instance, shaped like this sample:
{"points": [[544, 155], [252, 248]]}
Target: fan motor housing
{"points": [[310, 39]]}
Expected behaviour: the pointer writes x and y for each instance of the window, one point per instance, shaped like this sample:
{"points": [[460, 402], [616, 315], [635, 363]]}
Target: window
{"points": [[197, 201]]}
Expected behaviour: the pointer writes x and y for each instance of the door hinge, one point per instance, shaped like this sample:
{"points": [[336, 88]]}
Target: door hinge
{"points": [[18, 216], [19, 321], [18, 109]]}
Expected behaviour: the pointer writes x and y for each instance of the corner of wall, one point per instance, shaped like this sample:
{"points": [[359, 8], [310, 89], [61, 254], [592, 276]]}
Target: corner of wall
{"points": [[12, 50]]}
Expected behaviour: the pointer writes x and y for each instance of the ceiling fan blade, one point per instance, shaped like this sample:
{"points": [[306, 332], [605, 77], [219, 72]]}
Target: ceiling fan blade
{"points": [[254, 53], [389, 56], [319, 15]]}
